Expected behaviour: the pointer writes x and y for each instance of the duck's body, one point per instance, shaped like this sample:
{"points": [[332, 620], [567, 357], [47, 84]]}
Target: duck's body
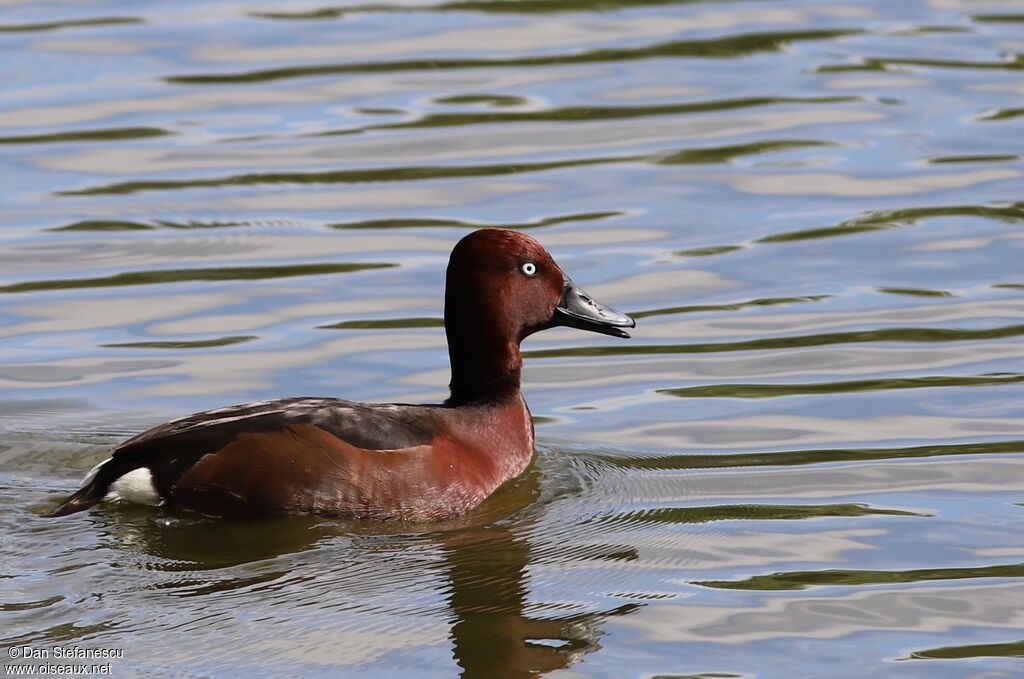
{"points": [[379, 461], [322, 456]]}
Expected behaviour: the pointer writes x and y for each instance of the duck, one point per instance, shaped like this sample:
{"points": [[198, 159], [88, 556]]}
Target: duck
{"points": [[375, 461]]}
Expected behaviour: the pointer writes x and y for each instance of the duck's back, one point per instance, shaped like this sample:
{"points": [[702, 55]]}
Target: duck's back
{"points": [[326, 456], [371, 426]]}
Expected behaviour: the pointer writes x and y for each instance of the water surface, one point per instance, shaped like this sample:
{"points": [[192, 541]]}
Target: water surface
{"points": [[809, 460]]}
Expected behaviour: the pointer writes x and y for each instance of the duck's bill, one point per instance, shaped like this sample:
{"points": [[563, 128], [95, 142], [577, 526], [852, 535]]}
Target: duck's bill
{"points": [[577, 309]]}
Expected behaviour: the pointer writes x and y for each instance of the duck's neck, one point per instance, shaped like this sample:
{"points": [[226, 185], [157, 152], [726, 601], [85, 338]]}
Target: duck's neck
{"points": [[484, 369]]}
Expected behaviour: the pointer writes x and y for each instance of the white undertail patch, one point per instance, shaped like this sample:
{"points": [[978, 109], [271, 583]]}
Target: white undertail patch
{"points": [[93, 472], [135, 486]]}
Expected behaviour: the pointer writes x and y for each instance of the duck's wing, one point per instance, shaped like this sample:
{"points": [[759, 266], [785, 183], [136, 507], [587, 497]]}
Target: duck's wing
{"points": [[166, 452]]}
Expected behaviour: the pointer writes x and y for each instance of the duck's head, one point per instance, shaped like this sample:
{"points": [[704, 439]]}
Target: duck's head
{"points": [[502, 287], [505, 282]]}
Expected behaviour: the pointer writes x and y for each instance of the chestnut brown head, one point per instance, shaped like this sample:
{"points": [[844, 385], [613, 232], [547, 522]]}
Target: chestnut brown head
{"points": [[503, 286]]}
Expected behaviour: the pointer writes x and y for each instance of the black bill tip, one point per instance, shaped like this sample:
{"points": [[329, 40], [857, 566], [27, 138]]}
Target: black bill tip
{"points": [[577, 309]]}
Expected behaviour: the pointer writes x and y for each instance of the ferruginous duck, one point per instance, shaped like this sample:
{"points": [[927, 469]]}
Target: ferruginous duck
{"points": [[374, 461]]}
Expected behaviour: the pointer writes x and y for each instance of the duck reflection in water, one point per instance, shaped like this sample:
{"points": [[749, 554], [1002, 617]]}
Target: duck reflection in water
{"points": [[493, 635], [485, 559]]}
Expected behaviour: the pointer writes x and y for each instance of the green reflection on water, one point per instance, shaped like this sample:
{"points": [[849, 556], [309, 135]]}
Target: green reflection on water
{"points": [[997, 18], [184, 344], [87, 135], [916, 292], [30, 605], [885, 219], [389, 174], [121, 225], [852, 337], [708, 251], [882, 384], [1005, 213], [724, 154], [1003, 114], [70, 23], [791, 458], [1014, 63], [1010, 649], [490, 99], [714, 154], [407, 222], [103, 225], [804, 579], [493, 6], [990, 158], [844, 229], [596, 113], [63, 632], [386, 323], [750, 512], [735, 306], [181, 275], [725, 47]]}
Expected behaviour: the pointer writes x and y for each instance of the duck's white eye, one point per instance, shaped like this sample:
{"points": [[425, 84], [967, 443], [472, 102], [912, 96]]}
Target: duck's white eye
{"points": [[529, 268]]}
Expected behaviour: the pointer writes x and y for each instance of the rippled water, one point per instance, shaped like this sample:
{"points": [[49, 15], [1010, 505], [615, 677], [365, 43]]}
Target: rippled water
{"points": [[809, 461]]}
